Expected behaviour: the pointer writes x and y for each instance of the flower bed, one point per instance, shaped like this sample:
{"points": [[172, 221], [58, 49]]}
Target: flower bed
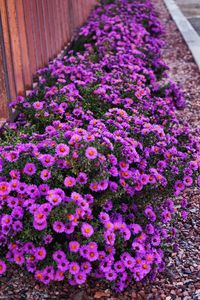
{"points": [[90, 165]]}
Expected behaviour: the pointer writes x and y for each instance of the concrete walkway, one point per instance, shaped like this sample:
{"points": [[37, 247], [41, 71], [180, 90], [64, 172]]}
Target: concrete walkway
{"points": [[186, 15], [191, 10]]}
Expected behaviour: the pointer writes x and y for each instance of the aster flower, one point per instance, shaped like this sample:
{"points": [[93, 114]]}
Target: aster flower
{"points": [[19, 258], [86, 267], [47, 160], [40, 253], [58, 227], [119, 267], [62, 150], [91, 153], [74, 246], [38, 105], [29, 169], [69, 181], [4, 188], [2, 267], [45, 174], [63, 265], [74, 268], [80, 277], [87, 230], [17, 226], [82, 178], [111, 275]]}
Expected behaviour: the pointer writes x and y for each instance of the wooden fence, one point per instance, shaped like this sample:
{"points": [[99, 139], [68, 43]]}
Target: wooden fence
{"points": [[31, 33]]}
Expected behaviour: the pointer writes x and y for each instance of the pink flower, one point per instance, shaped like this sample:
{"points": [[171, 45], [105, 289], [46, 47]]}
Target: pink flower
{"points": [[74, 246], [62, 150], [69, 181], [74, 268], [2, 267], [87, 230], [38, 105], [45, 175], [58, 227], [40, 253], [91, 153], [4, 188]]}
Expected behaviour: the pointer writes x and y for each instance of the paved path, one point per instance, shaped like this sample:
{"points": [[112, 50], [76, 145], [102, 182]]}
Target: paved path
{"points": [[191, 10], [182, 12]]}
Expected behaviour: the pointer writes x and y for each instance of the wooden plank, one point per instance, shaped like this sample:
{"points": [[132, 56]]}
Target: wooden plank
{"points": [[48, 28], [57, 29], [42, 36], [67, 22], [50, 10], [8, 53], [62, 25], [23, 43], [45, 33], [3, 75], [30, 36], [36, 33], [15, 46]]}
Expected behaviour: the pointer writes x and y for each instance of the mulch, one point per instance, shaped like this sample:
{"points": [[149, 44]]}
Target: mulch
{"points": [[181, 280]]}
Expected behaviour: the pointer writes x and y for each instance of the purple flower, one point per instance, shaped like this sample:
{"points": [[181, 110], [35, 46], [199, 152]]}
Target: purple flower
{"points": [[119, 267], [59, 256], [80, 277], [187, 180], [184, 215], [29, 169], [47, 160], [111, 275], [82, 178], [155, 240], [63, 265], [86, 267]]}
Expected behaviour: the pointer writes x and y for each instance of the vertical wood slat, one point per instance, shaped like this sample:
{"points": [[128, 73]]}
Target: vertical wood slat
{"points": [[30, 35], [15, 45], [6, 39], [23, 43], [34, 32], [42, 37], [3, 96]]}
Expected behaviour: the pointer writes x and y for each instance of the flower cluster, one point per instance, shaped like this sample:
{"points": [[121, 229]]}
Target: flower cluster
{"points": [[89, 167]]}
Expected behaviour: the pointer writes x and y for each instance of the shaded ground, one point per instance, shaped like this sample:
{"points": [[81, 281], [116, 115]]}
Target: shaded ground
{"points": [[182, 278]]}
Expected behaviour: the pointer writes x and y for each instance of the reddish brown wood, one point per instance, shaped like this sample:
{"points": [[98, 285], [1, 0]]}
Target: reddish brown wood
{"points": [[42, 36], [30, 35], [3, 93], [23, 44], [7, 45], [15, 45], [34, 32]]}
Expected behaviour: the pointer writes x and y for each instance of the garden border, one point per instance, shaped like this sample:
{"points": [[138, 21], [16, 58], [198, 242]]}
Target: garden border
{"points": [[189, 34]]}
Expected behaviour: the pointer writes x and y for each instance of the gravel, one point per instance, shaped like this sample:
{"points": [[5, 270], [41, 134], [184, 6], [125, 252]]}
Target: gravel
{"points": [[181, 280]]}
